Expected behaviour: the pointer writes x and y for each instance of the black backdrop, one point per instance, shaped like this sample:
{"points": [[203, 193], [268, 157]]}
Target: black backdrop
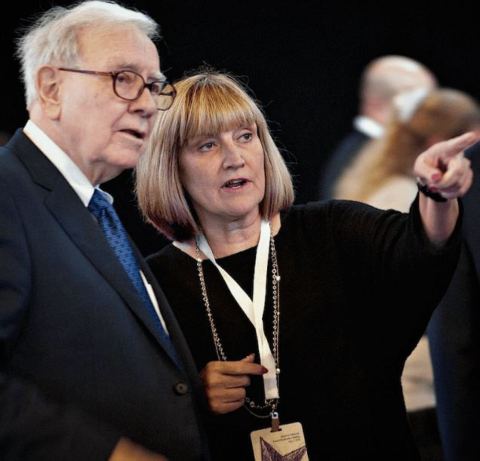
{"points": [[302, 59]]}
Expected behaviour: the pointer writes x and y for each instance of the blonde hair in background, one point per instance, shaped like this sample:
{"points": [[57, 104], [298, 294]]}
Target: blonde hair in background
{"points": [[206, 103], [438, 115]]}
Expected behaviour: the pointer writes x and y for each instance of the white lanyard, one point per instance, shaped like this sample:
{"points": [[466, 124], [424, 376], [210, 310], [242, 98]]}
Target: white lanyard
{"points": [[253, 309]]}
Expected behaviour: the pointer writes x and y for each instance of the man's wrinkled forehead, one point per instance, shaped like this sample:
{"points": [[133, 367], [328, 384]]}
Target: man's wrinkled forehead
{"points": [[119, 47]]}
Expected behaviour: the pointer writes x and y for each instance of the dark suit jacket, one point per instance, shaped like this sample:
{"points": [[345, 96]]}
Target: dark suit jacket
{"points": [[81, 362], [454, 334], [339, 159]]}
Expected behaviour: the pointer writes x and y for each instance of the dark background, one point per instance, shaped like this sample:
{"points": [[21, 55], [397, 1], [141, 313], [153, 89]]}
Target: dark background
{"points": [[302, 59]]}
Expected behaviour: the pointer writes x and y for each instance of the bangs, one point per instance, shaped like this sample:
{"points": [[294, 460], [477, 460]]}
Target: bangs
{"points": [[215, 106]]}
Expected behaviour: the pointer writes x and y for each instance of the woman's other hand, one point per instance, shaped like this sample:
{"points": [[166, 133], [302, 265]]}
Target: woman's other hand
{"points": [[225, 382]]}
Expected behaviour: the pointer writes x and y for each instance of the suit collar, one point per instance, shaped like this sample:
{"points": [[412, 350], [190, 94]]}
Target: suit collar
{"points": [[40, 168], [62, 162]]}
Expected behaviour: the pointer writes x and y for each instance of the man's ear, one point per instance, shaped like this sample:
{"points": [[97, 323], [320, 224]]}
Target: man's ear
{"points": [[48, 89]]}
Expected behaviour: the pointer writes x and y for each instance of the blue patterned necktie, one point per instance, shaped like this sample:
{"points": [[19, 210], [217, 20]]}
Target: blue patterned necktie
{"points": [[117, 238]]}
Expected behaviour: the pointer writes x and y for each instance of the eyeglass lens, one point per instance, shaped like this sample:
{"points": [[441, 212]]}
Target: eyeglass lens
{"points": [[130, 85]]}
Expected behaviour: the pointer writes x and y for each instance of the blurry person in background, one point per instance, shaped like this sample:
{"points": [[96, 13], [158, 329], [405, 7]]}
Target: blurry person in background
{"points": [[454, 335], [384, 78], [382, 173]]}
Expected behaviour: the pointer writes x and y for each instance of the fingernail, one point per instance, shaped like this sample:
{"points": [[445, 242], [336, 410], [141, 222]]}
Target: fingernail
{"points": [[436, 176], [264, 370]]}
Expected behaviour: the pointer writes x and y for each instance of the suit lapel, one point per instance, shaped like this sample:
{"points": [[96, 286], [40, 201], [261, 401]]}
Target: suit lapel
{"points": [[174, 329], [80, 226]]}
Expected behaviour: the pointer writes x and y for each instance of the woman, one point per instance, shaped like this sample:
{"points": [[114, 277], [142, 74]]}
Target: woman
{"points": [[332, 278]]}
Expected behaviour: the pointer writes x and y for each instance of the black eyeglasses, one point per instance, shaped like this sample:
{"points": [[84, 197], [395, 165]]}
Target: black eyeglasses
{"points": [[129, 85]]}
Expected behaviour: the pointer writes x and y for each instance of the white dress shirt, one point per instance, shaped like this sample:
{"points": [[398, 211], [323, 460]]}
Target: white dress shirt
{"points": [[368, 126]]}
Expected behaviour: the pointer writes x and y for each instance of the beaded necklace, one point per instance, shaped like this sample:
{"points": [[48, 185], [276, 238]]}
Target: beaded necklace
{"points": [[257, 410]]}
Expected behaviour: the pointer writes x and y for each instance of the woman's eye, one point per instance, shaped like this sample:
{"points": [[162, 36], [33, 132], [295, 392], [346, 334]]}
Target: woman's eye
{"points": [[206, 146], [246, 136]]}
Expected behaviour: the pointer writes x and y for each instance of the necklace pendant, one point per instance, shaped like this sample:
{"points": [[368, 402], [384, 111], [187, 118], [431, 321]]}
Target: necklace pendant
{"points": [[275, 421]]}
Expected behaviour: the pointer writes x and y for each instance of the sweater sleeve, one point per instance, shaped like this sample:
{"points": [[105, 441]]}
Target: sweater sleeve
{"points": [[393, 275]]}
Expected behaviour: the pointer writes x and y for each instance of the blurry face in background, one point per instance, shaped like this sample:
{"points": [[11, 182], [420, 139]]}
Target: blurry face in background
{"points": [[224, 174], [101, 132]]}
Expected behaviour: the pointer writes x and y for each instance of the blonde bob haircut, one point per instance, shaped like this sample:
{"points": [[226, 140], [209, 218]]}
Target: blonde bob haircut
{"points": [[206, 103]]}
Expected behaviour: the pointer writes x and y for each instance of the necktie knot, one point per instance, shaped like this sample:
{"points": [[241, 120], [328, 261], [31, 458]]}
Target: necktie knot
{"points": [[98, 203]]}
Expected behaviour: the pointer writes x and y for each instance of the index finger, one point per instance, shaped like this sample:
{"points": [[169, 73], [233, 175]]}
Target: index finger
{"points": [[240, 368], [454, 146]]}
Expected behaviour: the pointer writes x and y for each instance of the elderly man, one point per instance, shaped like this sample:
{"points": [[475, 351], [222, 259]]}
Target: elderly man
{"points": [[93, 364], [383, 79]]}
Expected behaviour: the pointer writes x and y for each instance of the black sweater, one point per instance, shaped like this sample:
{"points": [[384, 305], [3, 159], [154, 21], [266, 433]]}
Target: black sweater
{"points": [[357, 288]]}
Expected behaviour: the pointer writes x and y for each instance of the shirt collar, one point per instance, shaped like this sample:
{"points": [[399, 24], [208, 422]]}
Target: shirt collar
{"points": [[67, 167], [368, 126]]}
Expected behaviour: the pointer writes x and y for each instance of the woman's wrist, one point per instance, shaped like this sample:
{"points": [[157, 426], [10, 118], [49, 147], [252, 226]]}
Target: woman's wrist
{"points": [[425, 190]]}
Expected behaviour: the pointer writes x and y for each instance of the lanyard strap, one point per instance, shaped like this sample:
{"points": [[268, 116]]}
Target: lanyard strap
{"points": [[253, 309]]}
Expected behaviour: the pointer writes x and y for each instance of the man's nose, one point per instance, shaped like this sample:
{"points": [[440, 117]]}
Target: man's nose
{"points": [[145, 104]]}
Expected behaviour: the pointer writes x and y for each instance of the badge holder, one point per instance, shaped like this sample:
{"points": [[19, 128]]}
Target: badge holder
{"points": [[279, 442]]}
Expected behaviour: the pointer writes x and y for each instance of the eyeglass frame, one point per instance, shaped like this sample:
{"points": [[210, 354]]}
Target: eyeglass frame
{"points": [[114, 74]]}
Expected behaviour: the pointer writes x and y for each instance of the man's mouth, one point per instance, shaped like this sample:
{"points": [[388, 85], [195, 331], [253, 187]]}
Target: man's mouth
{"points": [[135, 133]]}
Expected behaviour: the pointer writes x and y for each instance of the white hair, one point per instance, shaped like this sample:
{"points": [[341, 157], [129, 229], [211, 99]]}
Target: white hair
{"points": [[407, 103], [53, 37]]}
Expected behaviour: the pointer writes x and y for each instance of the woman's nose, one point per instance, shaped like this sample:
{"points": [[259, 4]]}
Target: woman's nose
{"points": [[233, 156]]}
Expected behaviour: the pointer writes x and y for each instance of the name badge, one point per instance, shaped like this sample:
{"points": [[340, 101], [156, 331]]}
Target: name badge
{"points": [[288, 443]]}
